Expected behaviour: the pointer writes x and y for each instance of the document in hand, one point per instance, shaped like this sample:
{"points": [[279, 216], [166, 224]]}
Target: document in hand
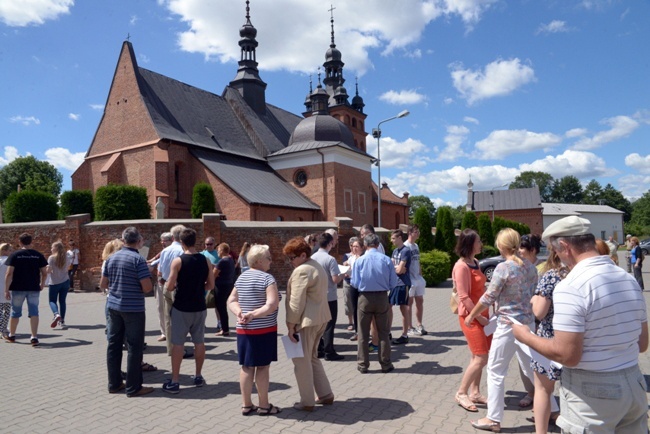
{"points": [[292, 349], [542, 360]]}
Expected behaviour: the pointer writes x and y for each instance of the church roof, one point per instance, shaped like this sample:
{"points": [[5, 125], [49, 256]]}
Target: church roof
{"points": [[253, 180], [518, 198]]}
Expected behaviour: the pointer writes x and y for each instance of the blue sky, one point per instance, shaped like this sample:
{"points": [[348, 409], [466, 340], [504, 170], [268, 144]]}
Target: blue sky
{"points": [[494, 87]]}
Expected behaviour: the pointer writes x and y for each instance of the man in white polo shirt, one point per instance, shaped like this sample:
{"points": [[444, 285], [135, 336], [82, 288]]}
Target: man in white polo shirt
{"points": [[601, 326]]}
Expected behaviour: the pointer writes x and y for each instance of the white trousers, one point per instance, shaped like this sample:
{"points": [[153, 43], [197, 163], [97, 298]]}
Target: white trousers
{"points": [[501, 351]]}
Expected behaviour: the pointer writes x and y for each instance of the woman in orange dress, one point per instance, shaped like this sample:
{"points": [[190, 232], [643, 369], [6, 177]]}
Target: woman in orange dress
{"points": [[470, 285]]}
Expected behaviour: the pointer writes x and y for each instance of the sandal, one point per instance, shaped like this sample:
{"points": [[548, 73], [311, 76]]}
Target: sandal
{"points": [[222, 333], [526, 401], [466, 403], [146, 367], [271, 409], [247, 410], [490, 426], [479, 399]]}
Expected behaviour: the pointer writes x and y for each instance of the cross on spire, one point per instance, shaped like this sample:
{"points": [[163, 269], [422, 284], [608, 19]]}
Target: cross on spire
{"points": [[331, 10]]}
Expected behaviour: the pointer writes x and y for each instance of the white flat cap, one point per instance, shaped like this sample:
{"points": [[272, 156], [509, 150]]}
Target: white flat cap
{"points": [[566, 227]]}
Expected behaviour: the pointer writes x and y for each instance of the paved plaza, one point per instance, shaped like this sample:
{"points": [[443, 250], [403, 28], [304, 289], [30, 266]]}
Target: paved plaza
{"points": [[61, 386]]}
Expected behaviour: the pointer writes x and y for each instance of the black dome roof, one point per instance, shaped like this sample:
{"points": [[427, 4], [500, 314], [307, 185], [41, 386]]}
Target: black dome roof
{"points": [[321, 128]]}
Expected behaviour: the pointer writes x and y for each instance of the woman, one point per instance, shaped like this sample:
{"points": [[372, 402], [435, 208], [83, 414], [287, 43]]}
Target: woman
{"points": [[254, 301], [470, 285], [5, 303], [350, 294], [510, 291], [73, 255], [242, 261], [307, 316], [545, 407], [57, 268], [636, 259], [224, 282]]}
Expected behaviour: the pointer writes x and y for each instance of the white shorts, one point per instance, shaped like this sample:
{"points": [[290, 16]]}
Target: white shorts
{"points": [[417, 287]]}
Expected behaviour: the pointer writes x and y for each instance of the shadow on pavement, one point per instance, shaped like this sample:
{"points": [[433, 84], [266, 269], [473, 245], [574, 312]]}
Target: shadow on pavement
{"points": [[352, 411]]}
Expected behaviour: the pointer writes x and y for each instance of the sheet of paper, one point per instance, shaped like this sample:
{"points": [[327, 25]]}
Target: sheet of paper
{"points": [[343, 269], [292, 349], [491, 326], [543, 361]]}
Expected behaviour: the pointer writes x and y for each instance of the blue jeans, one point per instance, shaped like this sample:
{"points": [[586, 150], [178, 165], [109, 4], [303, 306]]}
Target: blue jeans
{"points": [[121, 326], [59, 291], [17, 300]]}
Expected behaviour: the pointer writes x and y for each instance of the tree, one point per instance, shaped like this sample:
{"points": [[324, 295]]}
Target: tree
{"points": [[528, 179], [202, 200], [567, 190], [457, 216], [30, 174], [593, 193], [30, 206], [469, 221], [445, 238], [121, 202], [615, 199], [416, 202], [423, 220], [485, 230], [641, 210]]}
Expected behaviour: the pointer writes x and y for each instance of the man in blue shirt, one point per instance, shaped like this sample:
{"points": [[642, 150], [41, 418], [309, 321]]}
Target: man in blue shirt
{"points": [[127, 278], [374, 275]]}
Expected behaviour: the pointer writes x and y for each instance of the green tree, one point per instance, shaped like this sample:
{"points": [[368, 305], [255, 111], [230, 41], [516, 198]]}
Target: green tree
{"points": [[615, 199], [485, 230], [202, 200], [593, 193], [567, 190], [423, 220], [457, 215], [542, 180], [416, 202], [30, 206], [470, 221], [641, 213], [30, 174], [445, 239], [121, 202], [76, 202]]}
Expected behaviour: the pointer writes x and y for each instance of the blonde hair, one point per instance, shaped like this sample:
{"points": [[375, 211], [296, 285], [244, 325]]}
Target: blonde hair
{"points": [[508, 241], [553, 262], [111, 247], [60, 255], [255, 253], [4, 247]]}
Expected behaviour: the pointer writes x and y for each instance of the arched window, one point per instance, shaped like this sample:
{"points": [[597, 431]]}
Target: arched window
{"points": [[279, 219], [177, 182], [354, 122]]}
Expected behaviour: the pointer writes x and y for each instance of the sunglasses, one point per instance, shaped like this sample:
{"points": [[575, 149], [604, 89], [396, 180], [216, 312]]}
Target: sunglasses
{"points": [[209, 244]]}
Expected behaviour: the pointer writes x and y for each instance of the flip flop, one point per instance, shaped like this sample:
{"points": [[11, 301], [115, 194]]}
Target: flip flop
{"points": [[466, 403]]}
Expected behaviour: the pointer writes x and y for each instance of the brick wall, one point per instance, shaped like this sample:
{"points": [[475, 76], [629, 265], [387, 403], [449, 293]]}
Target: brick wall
{"points": [[531, 217]]}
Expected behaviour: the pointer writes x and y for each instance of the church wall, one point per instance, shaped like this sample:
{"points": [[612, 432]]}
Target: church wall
{"points": [[349, 193]]}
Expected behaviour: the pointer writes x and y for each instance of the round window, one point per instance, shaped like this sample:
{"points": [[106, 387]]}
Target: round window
{"points": [[300, 178]]}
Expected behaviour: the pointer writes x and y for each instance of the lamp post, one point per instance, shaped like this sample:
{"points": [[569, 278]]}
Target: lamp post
{"points": [[492, 194], [376, 133]]}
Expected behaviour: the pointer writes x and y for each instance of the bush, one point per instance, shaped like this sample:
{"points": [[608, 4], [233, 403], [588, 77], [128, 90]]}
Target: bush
{"points": [[501, 223], [485, 230], [121, 202], [202, 200], [488, 252], [30, 206], [76, 202], [423, 220], [435, 266], [469, 221]]}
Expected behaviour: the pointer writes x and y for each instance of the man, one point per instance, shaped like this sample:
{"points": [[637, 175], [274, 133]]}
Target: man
{"points": [[399, 295], [368, 229], [191, 275], [127, 278], [335, 237], [601, 326], [165, 240], [374, 275], [628, 256], [322, 256], [418, 285], [168, 254], [25, 279], [210, 251]]}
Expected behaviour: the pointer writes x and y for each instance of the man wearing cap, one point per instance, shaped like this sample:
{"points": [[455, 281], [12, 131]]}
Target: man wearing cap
{"points": [[601, 326]]}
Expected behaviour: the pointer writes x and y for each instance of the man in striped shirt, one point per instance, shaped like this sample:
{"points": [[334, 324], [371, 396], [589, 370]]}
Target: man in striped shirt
{"points": [[601, 326]]}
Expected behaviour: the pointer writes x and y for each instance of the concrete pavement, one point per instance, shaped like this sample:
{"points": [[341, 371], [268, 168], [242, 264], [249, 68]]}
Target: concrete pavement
{"points": [[60, 386]]}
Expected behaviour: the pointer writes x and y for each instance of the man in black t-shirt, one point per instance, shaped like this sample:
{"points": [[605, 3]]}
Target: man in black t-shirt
{"points": [[25, 278]]}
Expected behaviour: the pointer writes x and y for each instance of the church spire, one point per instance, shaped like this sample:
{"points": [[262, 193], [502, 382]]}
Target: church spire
{"points": [[248, 81], [334, 69], [357, 101]]}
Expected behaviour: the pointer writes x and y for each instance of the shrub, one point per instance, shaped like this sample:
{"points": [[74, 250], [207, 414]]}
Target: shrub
{"points": [[435, 266], [76, 202], [485, 230], [423, 220], [445, 237], [30, 206], [202, 200], [500, 223], [488, 252], [469, 221], [121, 202]]}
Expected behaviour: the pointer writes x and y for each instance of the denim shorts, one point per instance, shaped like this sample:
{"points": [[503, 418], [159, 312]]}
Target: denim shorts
{"points": [[17, 300], [399, 296]]}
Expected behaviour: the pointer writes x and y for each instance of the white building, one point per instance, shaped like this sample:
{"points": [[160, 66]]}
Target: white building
{"points": [[605, 220]]}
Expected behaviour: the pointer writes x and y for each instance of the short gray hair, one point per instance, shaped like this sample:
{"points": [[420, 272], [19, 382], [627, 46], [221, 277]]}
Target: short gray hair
{"points": [[176, 232], [166, 236], [371, 240], [131, 235], [353, 240], [256, 252]]}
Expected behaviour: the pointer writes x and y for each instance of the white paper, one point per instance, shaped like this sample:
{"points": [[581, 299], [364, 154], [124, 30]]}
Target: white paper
{"points": [[292, 349], [491, 326], [343, 269], [542, 360]]}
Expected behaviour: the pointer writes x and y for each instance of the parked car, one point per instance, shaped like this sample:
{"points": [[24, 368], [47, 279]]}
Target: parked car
{"points": [[487, 265], [645, 246]]}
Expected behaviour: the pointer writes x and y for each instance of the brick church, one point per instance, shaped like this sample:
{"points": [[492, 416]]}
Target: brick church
{"points": [[263, 162]]}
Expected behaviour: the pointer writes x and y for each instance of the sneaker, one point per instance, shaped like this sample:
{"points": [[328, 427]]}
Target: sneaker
{"points": [[373, 348], [62, 325], [422, 331], [55, 320], [198, 380], [413, 332], [170, 387], [401, 340], [10, 339], [34, 342]]}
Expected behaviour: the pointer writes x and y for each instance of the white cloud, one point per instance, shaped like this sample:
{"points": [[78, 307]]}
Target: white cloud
{"points": [[555, 26], [25, 120], [387, 25], [62, 158], [25, 12], [470, 120], [456, 136], [638, 162], [414, 54], [10, 154], [633, 186], [499, 78], [97, 106], [74, 116], [501, 143], [577, 163], [576, 132], [402, 97], [620, 126], [397, 154], [142, 58], [448, 101], [134, 19]]}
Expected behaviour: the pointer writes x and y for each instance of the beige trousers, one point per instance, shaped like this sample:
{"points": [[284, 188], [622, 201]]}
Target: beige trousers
{"points": [[309, 371]]}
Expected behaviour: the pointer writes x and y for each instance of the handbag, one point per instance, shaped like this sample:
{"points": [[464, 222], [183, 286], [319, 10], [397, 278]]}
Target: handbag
{"points": [[209, 300], [453, 301]]}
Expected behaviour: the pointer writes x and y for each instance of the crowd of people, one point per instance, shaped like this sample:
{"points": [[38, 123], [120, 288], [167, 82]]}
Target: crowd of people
{"points": [[575, 318]]}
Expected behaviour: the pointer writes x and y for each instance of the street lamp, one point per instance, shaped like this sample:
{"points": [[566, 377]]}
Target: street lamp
{"points": [[492, 194], [376, 133]]}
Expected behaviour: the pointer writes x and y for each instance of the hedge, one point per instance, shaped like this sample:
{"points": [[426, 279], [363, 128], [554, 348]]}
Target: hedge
{"points": [[435, 266], [202, 200], [121, 202], [76, 202], [30, 206]]}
